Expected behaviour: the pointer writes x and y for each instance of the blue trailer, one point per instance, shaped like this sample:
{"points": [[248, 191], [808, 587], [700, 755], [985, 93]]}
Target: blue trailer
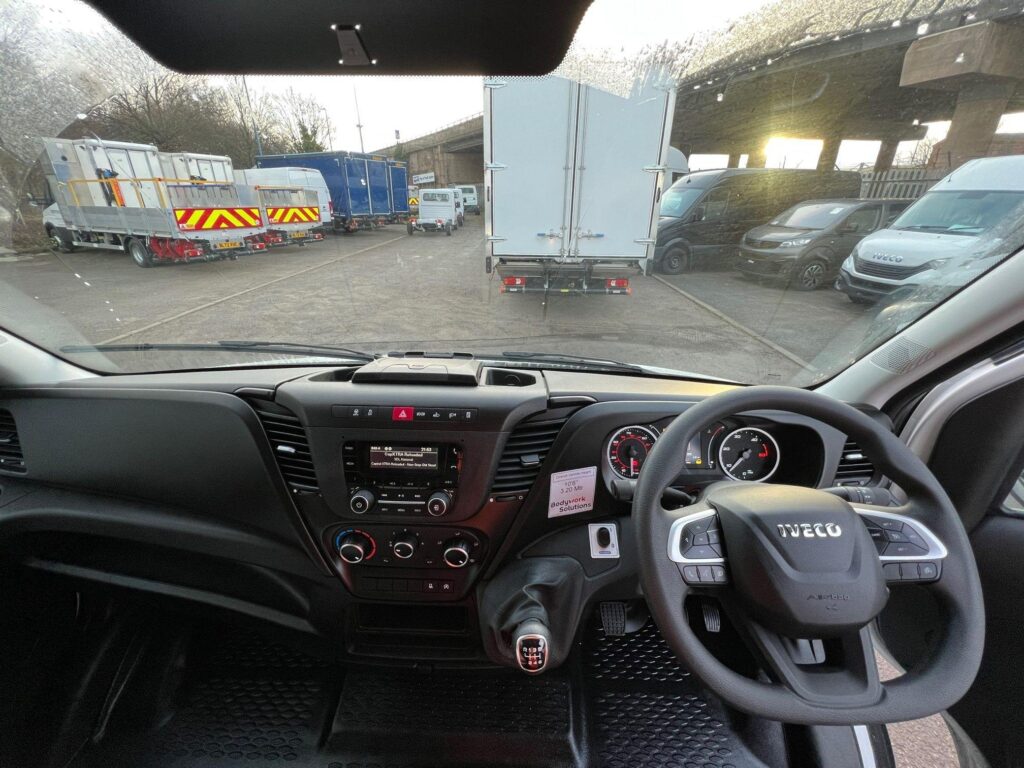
{"points": [[398, 188], [357, 183]]}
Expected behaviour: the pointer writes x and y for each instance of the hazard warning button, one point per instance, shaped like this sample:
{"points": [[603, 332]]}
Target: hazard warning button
{"points": [[402, 413]]}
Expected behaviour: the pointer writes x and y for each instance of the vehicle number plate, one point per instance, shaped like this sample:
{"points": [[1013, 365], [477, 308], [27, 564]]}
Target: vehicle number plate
{"points": [[296, 235], [227, 244]]}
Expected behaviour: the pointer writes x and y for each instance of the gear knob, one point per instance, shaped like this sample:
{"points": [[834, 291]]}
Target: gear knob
{"points": [[532, 644]]}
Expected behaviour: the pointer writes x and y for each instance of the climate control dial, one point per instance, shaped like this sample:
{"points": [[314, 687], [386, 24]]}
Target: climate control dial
{"points": [[405, 546], [456, 552], [355, 546]]}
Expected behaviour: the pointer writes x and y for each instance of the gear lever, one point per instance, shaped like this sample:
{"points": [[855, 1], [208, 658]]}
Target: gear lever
{"points": [[532, 641]]}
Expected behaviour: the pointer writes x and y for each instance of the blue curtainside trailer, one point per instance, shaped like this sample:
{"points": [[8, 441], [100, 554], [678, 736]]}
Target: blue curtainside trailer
{"points": [[398, 188], [357, 183]]}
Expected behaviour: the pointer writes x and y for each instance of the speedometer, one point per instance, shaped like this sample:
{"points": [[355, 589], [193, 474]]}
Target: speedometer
{"points": [[628, 449], [749, 453]]}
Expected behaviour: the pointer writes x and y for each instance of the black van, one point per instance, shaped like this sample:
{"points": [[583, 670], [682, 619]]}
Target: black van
{"points": [[705, 214]]}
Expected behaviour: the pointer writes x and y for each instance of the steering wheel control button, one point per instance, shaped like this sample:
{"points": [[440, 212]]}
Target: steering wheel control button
{"points": [[919, 572], [705, 574], [903, 549]]}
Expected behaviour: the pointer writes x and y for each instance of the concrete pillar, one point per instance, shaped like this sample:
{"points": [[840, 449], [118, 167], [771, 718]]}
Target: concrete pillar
{"points": [[886, 154], [734, 160], [979, 106], [756, 158], [829, 152]]}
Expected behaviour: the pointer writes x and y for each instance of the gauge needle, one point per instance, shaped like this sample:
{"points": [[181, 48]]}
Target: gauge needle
{"points": [[632, 465], [743, 457]]}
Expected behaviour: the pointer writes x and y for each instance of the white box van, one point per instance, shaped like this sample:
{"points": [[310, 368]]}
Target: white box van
{"points": [[460, 215], [470, 201], [938, 237], [437, 212]]}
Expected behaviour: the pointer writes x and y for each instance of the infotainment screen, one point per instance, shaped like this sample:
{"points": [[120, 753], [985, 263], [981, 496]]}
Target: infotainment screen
{"points": [[419, 458]]}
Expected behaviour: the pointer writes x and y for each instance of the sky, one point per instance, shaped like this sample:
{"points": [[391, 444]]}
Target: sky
{"points": [[415, 106]]}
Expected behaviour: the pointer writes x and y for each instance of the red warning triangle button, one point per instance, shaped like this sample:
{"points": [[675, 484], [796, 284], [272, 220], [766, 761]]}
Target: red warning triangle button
{"points": [[402, 413]]}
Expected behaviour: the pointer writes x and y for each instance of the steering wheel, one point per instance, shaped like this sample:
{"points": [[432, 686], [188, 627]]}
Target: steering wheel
{"points": [[803, 573]]}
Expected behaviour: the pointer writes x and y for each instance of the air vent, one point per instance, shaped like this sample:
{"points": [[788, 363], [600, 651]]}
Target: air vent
{"points": [[854, 466], [290, 445], [11, 457], [526, 449]]}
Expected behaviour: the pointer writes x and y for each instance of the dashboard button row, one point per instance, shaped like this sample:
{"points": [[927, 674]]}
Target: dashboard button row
{"points": [[402, 413], [419, 586]]}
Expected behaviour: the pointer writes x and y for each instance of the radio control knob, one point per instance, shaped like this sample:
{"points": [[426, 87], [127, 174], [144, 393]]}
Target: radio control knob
{"points": [[404, 546], [456, 553], [362, 501], [438, 503], [354, 547]]}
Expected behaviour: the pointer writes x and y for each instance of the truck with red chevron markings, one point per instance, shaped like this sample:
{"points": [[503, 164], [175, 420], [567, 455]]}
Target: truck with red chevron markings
{"points": [[155, 206]]}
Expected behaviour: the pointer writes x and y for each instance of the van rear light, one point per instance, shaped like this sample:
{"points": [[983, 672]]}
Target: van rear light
{"points": [[318, 236], [192, 253], [513, 280], [617, 282], [330, 207], [258, 246]]}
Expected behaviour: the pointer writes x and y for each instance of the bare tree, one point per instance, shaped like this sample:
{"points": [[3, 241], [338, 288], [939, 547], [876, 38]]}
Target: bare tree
{"points": [[917, 156], [304, 121]]}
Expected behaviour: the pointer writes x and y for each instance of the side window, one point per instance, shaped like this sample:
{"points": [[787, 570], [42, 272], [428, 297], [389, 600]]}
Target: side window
{"points": [[863, 220], [894, 210], [1014, 503], [715, 205]]}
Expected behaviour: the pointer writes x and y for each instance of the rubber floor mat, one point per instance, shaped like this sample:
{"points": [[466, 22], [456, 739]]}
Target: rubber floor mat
{"points": [[647, 711]]}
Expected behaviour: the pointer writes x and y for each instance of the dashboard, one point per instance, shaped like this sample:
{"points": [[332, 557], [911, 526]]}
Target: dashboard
{"points": [[349, 501]]}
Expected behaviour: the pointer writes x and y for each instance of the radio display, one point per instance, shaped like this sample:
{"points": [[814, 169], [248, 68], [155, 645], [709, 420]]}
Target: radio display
{"points": [[409, 457]]}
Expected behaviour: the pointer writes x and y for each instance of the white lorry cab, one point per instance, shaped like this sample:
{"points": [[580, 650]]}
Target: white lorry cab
{"points": [[470, 201], [437, 212], [938, 239]]}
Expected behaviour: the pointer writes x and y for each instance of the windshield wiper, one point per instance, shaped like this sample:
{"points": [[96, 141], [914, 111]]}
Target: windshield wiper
{"points": [[583, 363], [271, 347], [576, 360]]}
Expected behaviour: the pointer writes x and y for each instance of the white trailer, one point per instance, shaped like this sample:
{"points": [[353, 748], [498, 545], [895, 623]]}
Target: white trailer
{"points": [[131, 198], [572, 181], [437, 212], [295, 202]]}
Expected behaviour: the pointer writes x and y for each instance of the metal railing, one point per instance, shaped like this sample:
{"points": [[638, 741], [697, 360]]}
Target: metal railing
{"points": [[901, 183]]}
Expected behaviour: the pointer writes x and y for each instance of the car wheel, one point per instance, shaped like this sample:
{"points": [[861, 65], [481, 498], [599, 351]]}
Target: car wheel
{"points": [[60, 238], [140, 253], [676, 260], [810, 275], [448, 229]]}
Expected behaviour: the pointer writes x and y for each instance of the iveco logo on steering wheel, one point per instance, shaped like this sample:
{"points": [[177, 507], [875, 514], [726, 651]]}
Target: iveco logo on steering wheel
{"points": [[809, 530]]}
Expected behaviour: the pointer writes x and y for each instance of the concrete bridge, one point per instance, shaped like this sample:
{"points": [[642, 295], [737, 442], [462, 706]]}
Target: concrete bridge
{"points": [[865, 71]]}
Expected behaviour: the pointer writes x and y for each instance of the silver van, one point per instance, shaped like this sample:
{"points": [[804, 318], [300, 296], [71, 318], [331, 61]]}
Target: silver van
{"points": [[938, 237]]}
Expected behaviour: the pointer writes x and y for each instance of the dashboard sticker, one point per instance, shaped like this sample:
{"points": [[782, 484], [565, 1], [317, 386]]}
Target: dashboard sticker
{"points": [[572, 491]]}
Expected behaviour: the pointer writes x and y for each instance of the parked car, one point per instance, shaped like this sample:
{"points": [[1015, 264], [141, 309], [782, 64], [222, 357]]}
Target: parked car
{"points": [[805, 245], [705, 214], [941, 232], [437, 212], [470, 201]]}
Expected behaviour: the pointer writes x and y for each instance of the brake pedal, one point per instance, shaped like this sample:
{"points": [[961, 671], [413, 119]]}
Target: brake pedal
{"points": [[613, 619]]}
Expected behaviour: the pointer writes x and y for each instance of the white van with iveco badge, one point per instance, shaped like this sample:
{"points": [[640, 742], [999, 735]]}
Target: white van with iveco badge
{"points": [[470, 202], [940, 234]]}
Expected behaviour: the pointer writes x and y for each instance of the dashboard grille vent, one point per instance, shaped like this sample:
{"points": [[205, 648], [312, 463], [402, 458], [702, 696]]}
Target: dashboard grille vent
{"points": [[290, 444], [11, 457], [526, 449], [854, 465]]}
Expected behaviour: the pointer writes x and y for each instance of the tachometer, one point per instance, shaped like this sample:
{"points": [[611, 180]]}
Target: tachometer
{"points": [[749, 453], [628, 449]]}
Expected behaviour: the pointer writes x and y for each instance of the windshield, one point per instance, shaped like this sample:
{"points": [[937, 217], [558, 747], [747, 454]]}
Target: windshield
{"points": [[678, 200], [961, 213], [814, 216], [154, 221]]}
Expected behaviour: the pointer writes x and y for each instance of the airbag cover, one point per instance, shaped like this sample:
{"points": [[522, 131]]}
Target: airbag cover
{"points": [[801, 560]]}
